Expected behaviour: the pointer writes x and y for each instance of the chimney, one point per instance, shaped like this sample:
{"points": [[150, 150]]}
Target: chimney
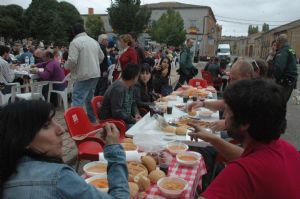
{"points": [[91, 11]]}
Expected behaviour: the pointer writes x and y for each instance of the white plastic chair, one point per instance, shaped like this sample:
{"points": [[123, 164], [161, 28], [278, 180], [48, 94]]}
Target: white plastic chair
{"points": [[5, 97], [63, 94], [34, 94]]}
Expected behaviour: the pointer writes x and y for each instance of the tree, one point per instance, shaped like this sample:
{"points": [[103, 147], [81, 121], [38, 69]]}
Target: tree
{"points": [[169, 29], [11, 22], [252, 29], [128, 15], [94, 26], [265, 27], [51, 21]]}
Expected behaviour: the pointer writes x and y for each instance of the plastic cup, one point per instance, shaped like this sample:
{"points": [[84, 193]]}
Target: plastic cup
{"points": [[164, 160], [185, 99], [169, 110]]}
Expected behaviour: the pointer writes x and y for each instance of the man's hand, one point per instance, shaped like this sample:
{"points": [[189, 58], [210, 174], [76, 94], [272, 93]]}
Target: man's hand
{"points": [[111, 134], [194, 105], [218, 125], [201, 133]]}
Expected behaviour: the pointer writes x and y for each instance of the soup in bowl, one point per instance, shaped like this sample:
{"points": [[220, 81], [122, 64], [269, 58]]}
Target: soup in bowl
{"points": [[172, 187], [177, 147], [188, 158], [95, 168], [99, 182]]}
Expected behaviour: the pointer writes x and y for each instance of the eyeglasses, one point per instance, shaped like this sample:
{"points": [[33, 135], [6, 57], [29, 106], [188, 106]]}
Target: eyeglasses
{"points": [[254, 63]]}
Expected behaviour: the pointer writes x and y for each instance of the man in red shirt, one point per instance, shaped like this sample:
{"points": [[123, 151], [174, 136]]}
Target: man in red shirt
{"points": [[266, 166]]}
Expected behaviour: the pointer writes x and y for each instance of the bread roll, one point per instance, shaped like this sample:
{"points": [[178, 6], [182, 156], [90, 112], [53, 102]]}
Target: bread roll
{"points": [[143, 182], [129, 146], [181, 131], [135, 168], [169, 129], [127, 140], [133, 189], [149, 162], [155, 175]]}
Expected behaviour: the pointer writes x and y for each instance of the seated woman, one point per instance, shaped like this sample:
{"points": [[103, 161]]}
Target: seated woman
{"points": [[52, 72], [161, 76], [144, 94], [31, 157]]}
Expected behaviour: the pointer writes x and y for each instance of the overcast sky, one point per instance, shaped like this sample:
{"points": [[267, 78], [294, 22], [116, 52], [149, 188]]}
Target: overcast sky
{"points": [[233, 15]]}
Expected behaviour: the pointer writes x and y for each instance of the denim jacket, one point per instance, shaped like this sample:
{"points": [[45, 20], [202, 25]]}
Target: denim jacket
{"points": [[40, 179]]}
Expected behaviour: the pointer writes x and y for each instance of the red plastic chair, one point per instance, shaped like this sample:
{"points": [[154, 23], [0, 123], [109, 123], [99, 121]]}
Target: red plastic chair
{"points": [[96, 105], [78, 123], [198, 82], [208, 77]]}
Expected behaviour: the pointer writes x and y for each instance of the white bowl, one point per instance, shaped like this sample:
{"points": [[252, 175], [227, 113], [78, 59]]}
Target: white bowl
{"points": [[171, 193], [92, 164], [89, 180], [177, 147], [188, 162], [205, 113]]}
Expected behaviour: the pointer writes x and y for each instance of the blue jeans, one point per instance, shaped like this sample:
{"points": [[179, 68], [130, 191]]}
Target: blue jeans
{"points": [[83, 92]]}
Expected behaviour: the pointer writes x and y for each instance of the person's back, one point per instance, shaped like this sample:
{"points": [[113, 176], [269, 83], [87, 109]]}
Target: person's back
{"points": [[117, 103], [214, 69], [88, 57], [263, 171]]}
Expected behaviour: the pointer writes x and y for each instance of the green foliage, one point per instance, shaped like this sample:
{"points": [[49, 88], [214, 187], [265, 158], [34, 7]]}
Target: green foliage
{"points": [[51, 21], [128, 15], [94, 26], [11, 21], [169, 29], [252, 29], [265, 27]]}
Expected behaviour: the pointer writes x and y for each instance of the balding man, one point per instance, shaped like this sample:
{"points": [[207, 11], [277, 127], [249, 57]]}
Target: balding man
{"points": [[284, 66], [38, 55], [103, 81], [241, 69]]}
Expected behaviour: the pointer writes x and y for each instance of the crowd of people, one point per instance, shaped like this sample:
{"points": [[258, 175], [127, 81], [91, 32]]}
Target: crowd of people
{"points": [[254, 103]]}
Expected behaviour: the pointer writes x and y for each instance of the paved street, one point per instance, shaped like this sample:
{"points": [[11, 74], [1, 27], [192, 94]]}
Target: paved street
{"points": [[292, 133]]}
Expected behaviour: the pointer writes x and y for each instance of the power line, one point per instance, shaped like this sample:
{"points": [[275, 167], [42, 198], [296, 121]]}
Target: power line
{"points": [[252, 20], [246, 23]]}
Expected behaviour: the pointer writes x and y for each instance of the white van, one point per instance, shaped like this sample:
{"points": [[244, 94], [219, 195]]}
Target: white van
{"points": [[223, 52]]}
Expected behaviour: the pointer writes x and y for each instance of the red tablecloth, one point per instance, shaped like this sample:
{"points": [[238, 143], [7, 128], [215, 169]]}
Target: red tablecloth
{"points": [[193, 175]]}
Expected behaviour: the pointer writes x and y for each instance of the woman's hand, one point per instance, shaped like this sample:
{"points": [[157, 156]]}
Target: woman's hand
{"points": [[137, 117], [111, 134], [164, 72]]}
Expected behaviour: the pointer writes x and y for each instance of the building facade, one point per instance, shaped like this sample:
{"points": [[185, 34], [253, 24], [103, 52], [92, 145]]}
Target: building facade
{"points": [[199, 23]]}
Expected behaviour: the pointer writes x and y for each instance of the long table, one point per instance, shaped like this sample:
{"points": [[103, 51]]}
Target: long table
{"points": [[149, 125]]}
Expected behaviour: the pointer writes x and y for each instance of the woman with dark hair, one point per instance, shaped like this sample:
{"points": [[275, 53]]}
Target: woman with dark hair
{"points": [[31, 157], [143, 88], [161, 77]]}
